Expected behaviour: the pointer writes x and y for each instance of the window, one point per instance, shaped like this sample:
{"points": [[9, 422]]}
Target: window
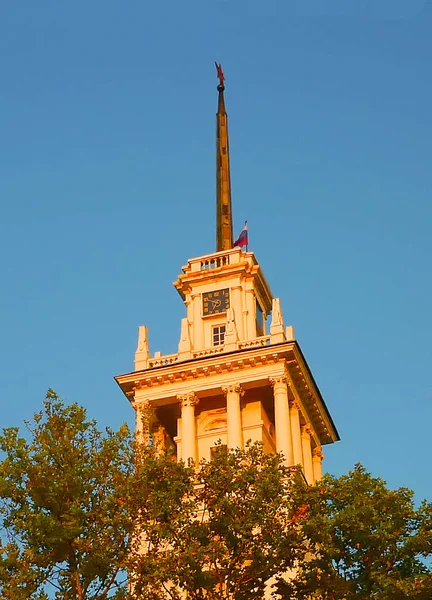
{"points": [[219, 335]]}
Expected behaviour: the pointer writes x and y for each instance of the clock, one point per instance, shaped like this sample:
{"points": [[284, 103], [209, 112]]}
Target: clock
{"points": [[216, 302]]}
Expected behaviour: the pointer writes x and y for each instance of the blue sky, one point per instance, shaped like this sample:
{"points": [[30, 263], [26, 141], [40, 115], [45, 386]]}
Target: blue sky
{"points": [[107, 188]]}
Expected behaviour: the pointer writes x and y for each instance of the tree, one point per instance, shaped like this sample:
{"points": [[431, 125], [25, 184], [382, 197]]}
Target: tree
{"points": [[367, 541], [65, 507], [79, 509], [236, 528]]}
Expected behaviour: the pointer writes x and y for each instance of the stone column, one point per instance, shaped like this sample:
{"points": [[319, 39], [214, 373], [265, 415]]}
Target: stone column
{"points": [[143, 422], [282, 418], [307, 454], [188, 437], [237, 305], [296, 433], [138, 422], [234, 420], [317, 457]]}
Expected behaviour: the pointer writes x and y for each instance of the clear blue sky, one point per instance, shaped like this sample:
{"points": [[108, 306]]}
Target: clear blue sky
{"points": [[107, 187]]}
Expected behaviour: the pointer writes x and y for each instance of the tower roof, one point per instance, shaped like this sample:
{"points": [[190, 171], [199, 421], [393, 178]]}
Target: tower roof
{"points": [[224, 221]]}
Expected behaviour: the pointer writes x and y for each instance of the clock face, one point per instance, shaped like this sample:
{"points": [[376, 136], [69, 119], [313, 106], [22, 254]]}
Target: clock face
{"points": [[216, 302]]}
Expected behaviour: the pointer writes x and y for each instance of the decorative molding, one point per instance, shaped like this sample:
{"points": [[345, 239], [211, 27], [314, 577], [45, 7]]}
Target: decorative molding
{"points": [[209, 422]]}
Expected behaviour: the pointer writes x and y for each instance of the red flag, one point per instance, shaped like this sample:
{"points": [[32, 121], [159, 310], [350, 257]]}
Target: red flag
{"points": [[242, 239]]}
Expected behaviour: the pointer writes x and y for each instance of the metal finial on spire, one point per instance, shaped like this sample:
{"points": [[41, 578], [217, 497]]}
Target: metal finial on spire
{"points": [[220, 74], [224, 222]]}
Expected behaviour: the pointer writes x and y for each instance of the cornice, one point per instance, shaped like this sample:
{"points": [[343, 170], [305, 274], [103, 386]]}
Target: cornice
{"points": [[247, 365], [204, 367], [186, 281], [207, 364], [310, 397]]}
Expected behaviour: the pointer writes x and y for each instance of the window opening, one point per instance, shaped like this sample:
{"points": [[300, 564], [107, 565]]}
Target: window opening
{"points": [[219, 335]]}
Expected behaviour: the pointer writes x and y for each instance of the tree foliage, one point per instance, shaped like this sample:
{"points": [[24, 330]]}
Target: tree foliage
{"points": [[233, 529], [79, 509], [65, 507], [367, 541]]}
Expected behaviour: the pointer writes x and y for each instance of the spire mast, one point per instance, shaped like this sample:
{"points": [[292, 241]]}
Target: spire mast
{"points": [[224, 221]]}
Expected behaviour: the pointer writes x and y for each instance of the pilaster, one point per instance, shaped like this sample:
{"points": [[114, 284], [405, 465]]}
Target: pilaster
{"points": [[237, 305], [231, 335]]}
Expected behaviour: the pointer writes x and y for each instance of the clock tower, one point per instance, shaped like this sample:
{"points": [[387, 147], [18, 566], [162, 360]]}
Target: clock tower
{"points": [[239, 373]]}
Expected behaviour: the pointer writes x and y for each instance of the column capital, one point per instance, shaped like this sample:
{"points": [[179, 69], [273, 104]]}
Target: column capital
{"points": [[189, 399], [306, 430], [146, 404], [278, 380], [317, 453], [294, 404], [233, 388]]}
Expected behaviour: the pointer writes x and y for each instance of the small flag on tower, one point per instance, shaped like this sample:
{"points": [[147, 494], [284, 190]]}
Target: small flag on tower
{"points": [[242, 239]]}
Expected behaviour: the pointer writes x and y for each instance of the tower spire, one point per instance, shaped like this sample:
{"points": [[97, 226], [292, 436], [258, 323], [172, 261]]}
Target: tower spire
{"points": [[224, 221]]}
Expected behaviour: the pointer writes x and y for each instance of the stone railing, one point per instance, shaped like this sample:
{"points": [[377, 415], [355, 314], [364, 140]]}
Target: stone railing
{"points": [[214, 263], [263, 340], [207, 352], [171, 359], [162, 361], [216, 260]]}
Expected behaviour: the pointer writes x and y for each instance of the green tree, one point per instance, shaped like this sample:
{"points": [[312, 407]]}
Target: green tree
{"points": [[236, 528], [65, 507], [80, 508], [367, 541]]}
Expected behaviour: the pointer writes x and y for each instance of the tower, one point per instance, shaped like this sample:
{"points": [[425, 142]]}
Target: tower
{"points": [[239, 373]]}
